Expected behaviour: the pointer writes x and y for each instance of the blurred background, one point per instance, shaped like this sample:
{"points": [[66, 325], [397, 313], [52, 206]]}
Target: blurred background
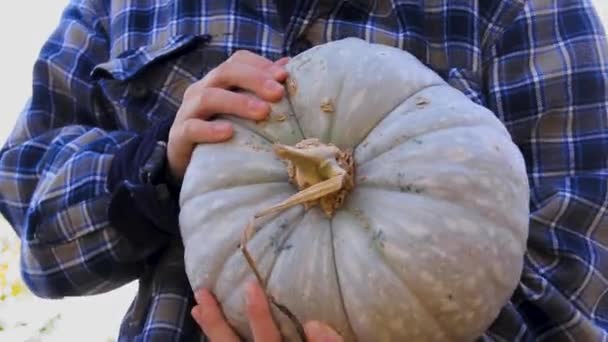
{"points": [[24, 26]]}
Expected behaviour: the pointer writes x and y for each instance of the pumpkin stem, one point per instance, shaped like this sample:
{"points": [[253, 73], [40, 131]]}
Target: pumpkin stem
{"points": [[324, 174], [247, 234], [307, 195]]}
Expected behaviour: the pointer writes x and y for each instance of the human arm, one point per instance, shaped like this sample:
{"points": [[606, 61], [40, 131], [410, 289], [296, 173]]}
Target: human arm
{"points": [[87, 193], [55, 169]]}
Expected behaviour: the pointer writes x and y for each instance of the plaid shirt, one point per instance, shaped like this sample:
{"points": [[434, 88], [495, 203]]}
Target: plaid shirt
{"points": [[81, 174]]}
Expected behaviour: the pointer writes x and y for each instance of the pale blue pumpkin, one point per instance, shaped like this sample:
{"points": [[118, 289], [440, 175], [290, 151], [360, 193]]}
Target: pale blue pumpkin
{"points": [[427, 246]]}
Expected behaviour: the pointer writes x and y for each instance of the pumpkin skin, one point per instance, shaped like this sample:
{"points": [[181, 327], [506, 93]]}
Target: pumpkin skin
{"points": [[429, 244]]}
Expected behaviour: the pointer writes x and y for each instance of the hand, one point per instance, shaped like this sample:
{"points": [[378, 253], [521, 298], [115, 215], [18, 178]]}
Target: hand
{"points": [[215, 93], [209, 317]]}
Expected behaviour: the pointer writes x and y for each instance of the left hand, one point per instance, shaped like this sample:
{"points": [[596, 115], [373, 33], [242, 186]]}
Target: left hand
{"points": [[208, 315]]}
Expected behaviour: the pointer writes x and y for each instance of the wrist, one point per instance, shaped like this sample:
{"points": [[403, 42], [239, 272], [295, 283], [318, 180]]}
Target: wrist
{"points": [[144, 195]]}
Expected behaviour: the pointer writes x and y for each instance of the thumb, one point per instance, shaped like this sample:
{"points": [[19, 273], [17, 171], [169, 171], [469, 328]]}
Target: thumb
{"points": [[320, 332]]}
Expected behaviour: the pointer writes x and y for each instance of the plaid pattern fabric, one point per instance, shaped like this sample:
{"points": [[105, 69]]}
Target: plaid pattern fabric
{"points": [[114, 68]]}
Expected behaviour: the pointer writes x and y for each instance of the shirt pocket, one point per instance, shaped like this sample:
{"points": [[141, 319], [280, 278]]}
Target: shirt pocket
{"points": [[143, 85]]}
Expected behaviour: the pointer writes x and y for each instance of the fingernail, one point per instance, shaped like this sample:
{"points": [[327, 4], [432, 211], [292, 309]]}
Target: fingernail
{"points": [[322, 332], [283, 61], [220, 126], [273, 86], [198, 296], [277, 72], [194, 313], [314, 328], [256, 105], [333, 338], [249, 292]]}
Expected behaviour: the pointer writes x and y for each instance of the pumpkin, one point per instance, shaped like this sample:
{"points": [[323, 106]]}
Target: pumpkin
{"points": [[375, 197]]}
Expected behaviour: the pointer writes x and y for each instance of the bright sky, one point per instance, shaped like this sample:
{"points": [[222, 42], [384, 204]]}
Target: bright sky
{"points": [[24, 26]]}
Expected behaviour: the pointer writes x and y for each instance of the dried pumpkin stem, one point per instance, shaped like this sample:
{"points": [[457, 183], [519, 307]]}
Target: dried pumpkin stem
{"points": [[247, 234], [313, 193], [245, 237], [323, 174]]}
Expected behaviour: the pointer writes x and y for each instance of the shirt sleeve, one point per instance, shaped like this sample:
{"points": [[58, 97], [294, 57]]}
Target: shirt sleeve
{"points": [[88, 199], [546, 78]]}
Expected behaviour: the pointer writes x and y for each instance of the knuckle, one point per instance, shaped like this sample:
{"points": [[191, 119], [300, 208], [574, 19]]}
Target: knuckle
{"points": [[195, 89], [190, 90], [199, 102], [242, 101], [187, 130], [206, 98], [173, 133], [213, 75], [186, 109], [191, 130], [203, 94], [240, 54]]}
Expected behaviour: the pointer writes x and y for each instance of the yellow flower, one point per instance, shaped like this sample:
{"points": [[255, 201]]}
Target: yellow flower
{"points": [[17, 288], [3, 270], [11, 284]]}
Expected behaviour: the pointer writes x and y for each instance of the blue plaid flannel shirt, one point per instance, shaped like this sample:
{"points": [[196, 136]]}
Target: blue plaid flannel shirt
{"points": [[82, 179]]}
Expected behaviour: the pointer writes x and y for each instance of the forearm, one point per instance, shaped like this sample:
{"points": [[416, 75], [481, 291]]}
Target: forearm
{"points": [[74, 195], [78, 184]]}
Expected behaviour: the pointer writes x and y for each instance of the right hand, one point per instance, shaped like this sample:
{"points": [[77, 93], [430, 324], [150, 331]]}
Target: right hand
{"points": [[215, 93], [209, 316]]}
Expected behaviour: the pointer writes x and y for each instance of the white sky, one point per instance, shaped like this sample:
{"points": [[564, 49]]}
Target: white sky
{"points": [[24, 26]]}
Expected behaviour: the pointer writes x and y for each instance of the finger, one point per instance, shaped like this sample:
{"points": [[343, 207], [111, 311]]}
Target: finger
{"points": [[199, 131], [278, 70], [282, 61], [242, 76], [185, 135], [250, 58], [207, 102], [209, 317], [279, 73], [319, 332], [260, 319]]}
